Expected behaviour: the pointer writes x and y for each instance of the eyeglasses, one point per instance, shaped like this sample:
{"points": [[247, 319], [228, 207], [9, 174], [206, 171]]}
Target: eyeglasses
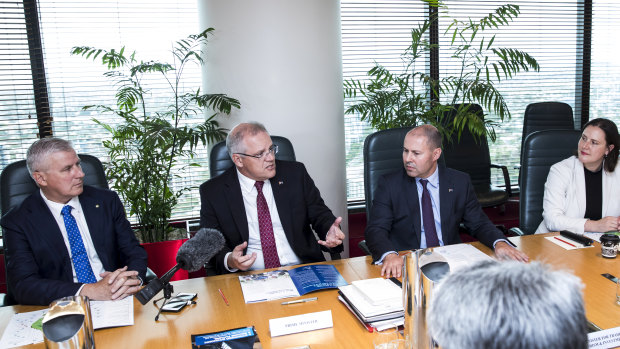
{"points": [[273, 150]]}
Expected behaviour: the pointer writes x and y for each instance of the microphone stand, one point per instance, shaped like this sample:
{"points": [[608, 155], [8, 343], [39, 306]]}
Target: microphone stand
{"points": [[159, 284], [168, 289]]}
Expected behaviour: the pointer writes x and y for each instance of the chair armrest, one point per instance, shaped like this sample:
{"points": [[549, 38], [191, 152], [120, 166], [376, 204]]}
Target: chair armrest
{"points": [[506, 177], [517, 231], [335, 256], [362, 245]]}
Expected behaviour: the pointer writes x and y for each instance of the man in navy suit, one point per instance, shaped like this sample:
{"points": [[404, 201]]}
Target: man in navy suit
{"points": [[41, 248], [424, 204], [266, 208]]}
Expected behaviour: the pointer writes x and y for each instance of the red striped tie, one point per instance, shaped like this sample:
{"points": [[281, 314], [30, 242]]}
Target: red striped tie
{"points": [[267, 241]]}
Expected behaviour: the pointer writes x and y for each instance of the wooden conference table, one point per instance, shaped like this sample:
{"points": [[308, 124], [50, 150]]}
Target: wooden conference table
{"points": [[211, 314]]}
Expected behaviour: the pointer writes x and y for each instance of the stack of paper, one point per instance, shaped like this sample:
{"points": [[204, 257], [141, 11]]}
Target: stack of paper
{"points": [[376, 302]]}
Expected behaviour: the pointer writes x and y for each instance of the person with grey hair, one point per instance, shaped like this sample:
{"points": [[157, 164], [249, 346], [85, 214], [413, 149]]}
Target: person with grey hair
{"points": [[508, 305], [68, 238], [266, 209]]}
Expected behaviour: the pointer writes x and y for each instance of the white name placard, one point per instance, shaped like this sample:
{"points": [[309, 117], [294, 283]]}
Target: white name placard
{"points": [[604, 339], [300, 323]]}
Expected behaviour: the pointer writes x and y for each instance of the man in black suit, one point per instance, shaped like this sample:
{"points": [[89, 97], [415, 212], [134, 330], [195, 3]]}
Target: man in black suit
{"points": [[266, 208], [68, 239], [423, 206]]}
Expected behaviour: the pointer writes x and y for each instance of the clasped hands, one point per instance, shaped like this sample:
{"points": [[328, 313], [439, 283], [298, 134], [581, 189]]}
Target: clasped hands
{"points": [[113, 285], [238, 260], [603, 225]]}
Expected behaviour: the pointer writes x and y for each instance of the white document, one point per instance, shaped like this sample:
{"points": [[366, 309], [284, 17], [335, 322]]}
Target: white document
{"points": [[461, 255], [604, 339], [266, 286], [19, 331], [368, 309], [104, 314], [566, 243], [594, 236], [378, 291], [300, 323], [112, 313]]}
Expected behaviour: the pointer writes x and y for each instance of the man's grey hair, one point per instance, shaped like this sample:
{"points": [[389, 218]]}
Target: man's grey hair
{"points": [[509, 305], [236, 135], [42, 149]]}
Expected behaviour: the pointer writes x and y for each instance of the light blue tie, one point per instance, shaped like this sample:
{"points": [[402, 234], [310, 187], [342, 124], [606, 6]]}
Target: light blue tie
{"points": [[83, 270]]}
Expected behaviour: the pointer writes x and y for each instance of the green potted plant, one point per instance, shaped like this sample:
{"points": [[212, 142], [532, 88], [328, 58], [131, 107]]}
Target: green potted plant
{"points": [[146, 146], [390, 100]]}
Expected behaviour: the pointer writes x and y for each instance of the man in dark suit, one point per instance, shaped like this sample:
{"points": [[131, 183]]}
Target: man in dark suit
{"points": [[68, 239], [266, 209], [423, 206]]}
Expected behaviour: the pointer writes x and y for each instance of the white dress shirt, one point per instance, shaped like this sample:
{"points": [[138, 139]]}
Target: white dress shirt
{"points": [[285, 253], [78, 214]]}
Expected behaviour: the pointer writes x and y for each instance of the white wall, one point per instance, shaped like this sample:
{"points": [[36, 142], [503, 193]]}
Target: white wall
{"points": [[282, 60]]}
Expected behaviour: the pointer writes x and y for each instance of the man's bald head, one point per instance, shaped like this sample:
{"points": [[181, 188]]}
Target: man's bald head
{"points": [[433, 137]]}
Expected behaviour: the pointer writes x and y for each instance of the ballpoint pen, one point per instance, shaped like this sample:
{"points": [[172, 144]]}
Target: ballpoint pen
{"points": [[224, 297], [300, 301], [566, 242]]}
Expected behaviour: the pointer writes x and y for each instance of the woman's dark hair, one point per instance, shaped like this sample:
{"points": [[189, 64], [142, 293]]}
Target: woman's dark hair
{"points": [[611, 137]]}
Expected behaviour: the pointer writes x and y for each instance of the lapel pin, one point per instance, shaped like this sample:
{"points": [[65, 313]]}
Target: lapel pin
{"points": [[280, 182], [97, 206], [449, 190]]}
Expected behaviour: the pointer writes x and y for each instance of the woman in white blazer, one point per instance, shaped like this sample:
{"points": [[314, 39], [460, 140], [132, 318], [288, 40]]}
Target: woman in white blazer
{"points": [[582, 193]]}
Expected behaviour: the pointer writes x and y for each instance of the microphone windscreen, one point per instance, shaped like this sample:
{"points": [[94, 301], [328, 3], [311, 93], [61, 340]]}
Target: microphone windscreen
{"points": [[198, 250]]}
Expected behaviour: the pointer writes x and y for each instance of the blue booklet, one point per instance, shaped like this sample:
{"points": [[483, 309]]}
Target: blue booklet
{"points": [[238, 338], [277, 284]]}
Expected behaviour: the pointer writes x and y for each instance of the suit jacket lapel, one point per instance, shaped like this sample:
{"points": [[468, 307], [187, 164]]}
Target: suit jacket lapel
{"points": [[94, 215], [446, 202], [50, 232], [234, 199], [279, 189], [411, 193]]}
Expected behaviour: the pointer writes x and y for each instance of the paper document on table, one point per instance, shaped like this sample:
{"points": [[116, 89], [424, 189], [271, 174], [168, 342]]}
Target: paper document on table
{"points": [[461, 255], [112, 313], [597, 236], [565, 243], [19, 331]]}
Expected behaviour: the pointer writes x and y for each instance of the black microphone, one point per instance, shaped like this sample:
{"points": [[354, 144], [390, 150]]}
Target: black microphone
{"points": [[192, 255]]}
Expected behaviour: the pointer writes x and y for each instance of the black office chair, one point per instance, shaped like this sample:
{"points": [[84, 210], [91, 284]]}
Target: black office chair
{"points": [[541, 150], [545, 116], [471, 155], [220, 161], [383, 153]]}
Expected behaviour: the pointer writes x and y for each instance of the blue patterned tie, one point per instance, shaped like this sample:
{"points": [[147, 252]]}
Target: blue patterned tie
{"points": [[83, 270], [428, 219]]}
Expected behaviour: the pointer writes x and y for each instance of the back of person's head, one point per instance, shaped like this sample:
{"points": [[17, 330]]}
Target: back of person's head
{"points": [[509, 305], [234, 139], [42, 149], [611, 137]]}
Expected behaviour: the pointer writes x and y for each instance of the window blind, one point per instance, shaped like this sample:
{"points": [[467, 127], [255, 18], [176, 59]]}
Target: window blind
{"points": [[150, 29], [551, 31], [372, 31], [18, 118], [605, 69]]}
